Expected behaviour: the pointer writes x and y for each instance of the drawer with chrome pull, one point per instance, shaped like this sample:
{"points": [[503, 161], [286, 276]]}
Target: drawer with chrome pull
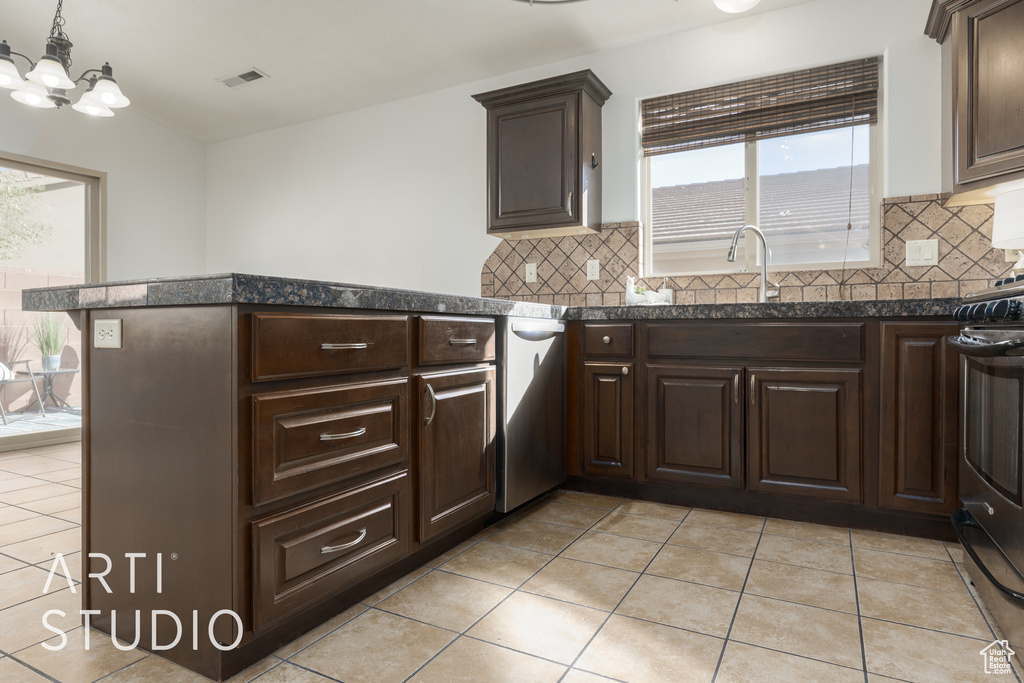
{"points": [[305, 554], [608, 339], [450, 339], [286, 345], [312, 437]]}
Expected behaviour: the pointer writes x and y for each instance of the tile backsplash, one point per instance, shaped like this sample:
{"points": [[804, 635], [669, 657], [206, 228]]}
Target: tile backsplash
{"points": [[967, 263]]}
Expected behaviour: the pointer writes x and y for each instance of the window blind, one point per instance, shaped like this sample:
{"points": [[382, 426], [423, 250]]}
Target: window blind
{"points": [[813, 99]]}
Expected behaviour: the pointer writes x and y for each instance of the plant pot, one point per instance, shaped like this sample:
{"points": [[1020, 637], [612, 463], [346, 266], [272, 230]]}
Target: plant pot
{"points": [[51, 363]]}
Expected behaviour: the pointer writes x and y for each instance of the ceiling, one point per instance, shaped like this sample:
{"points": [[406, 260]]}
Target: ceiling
{"points": [[326, 57]]}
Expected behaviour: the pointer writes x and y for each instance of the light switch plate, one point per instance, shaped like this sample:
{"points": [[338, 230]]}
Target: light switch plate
{"points": [[1011, 255], [106, 334], [922, 252], [593, 269], [531, 272]]}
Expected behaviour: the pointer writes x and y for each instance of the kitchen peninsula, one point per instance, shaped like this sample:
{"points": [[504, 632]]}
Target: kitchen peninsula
{"points": [[289, 446]]}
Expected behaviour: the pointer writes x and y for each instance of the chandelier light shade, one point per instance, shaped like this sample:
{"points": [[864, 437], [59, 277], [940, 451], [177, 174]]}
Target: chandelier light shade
{"points": [[735, 6], [47, 82]]}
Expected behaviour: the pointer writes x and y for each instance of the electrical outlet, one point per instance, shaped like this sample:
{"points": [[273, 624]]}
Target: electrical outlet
{"points": [[106, 334], [593, 269], [922, 252], [531, 272]]}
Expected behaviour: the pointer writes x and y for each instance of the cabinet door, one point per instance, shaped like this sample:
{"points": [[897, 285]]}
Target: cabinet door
{"points": [[694, 425], [533, 176], [456, 448], [608, 419], [804, 432], [917, 457], [988, 91]]}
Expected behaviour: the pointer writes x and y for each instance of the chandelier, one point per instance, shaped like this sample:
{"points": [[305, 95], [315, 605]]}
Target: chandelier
{"points": [[47, 82]]}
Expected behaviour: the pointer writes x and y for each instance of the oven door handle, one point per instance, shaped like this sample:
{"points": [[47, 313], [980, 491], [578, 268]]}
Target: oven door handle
{"points": [[963, 518], [976, 349]]}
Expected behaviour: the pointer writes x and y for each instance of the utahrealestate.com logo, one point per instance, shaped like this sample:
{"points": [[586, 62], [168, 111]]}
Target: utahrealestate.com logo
{"points": [[997, 657], [157, 615]]}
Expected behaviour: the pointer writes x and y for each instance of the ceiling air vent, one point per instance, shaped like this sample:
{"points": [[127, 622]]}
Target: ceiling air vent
{"points": [[241, 79]]}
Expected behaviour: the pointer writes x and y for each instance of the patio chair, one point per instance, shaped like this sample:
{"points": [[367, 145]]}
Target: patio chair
{"points": [[8, 376]]}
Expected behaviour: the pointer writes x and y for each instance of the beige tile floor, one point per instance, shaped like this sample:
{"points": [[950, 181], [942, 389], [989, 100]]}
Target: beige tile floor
{"points": [[579, 588]]}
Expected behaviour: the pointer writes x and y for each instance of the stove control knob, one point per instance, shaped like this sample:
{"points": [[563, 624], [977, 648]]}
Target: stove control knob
{"points": [[962, 314], [977, 313], [997, 309]]}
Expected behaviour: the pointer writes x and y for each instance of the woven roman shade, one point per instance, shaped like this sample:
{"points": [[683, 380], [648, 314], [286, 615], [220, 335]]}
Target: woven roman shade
{"points": [[814, 99]]}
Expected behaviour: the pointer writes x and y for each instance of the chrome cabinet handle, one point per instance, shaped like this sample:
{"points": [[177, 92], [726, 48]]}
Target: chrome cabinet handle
{"points": [[736, 389], [333, 347], [346, 435], [453, 342], [988, 508], [327, 549], [433, 405], [593, 161], [606, 340], [753, 394], [625, 370]]}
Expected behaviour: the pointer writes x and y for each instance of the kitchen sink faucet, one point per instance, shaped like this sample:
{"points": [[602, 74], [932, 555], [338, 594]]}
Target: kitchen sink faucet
{"points": [[763, 293]]}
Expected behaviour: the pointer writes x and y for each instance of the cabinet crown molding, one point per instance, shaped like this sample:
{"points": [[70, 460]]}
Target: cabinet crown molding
{"points": [[580, 80], [941, 15]]}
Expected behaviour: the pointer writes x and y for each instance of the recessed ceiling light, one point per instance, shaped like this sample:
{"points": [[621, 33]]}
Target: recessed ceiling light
{"points": [[735, 6]]}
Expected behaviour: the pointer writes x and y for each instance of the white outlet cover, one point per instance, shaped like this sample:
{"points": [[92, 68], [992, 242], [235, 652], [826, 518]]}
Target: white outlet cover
{"points": [[593, 269], [922, 252], [106, 334], [531, 272]]}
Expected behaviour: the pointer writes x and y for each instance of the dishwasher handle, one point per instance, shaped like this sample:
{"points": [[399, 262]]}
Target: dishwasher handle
{"points": [[537, 330]]}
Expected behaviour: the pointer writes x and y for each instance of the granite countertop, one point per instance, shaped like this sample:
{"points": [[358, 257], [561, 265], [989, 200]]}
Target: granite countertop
{"points": [[237, 288]]}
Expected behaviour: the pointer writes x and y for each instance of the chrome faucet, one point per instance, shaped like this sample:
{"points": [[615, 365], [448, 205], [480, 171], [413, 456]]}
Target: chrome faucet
{"points": [[763, 293]]}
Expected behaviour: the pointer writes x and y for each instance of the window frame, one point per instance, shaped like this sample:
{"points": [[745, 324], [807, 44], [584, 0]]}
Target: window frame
{"points": [[751, 189]]}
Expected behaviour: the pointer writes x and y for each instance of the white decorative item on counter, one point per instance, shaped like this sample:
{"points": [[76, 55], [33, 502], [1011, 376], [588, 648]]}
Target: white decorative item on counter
{"points": [[638, 295]]}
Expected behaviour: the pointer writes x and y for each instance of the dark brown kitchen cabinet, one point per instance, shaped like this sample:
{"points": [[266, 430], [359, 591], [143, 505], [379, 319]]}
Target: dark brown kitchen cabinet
{"points": [[804, 432], [456, 448], [917, 453], [544, 156], [695, 425], [608, 419], [988, 93]]}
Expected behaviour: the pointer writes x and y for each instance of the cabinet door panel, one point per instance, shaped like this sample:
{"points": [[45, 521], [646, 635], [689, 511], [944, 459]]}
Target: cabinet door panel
{"points": [[694, 425], [989, 90], [608, 419], [534, 145], [917, 458], [456, 451], [804, 432]]}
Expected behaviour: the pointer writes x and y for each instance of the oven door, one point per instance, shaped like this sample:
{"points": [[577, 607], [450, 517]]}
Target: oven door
{"points": [[991, 444], [991, 525]]}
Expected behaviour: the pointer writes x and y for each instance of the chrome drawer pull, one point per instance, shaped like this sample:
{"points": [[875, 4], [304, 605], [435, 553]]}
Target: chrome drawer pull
{"points": [[433, 405], [333, 347], [327, 549], [606, 340], [346, 435], [453, 342]]}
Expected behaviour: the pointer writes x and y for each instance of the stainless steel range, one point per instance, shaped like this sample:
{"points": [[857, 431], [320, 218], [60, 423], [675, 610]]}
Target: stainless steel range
{"points": [[991, 523]]}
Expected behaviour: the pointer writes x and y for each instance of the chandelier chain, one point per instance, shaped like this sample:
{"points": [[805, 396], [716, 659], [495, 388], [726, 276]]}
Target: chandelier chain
{"points": [[58, 23]]}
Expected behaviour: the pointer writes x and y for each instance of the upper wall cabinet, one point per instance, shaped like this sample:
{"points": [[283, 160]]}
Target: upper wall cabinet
{"points": [[988, 94], [544, 157]]}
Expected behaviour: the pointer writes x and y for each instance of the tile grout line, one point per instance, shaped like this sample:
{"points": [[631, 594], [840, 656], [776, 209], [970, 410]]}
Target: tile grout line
{"points": [[600, 628], [739, 601], [860, 619], [503, 600]]}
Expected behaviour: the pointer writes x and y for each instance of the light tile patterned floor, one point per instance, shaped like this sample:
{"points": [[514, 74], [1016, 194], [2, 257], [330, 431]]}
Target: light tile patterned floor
{"points": [[579, 588]]}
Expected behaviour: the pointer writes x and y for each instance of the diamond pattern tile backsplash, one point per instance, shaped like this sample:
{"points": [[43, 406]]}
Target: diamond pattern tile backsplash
{"points": [[967, 263]]}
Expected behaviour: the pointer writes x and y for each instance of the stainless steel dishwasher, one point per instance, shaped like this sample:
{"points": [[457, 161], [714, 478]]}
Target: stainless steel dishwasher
{"points": [[531, 404]]}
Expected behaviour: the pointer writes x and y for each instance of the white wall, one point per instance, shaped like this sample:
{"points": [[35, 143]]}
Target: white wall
{"points": [[395, 194], [156, 182]]}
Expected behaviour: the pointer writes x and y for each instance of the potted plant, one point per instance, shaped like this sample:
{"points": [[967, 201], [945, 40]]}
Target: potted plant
{"points": [[50, 336]]}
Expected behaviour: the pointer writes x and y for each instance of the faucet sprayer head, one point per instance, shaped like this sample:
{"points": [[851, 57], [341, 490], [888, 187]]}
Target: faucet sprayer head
{"points": [[732, 253]]}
